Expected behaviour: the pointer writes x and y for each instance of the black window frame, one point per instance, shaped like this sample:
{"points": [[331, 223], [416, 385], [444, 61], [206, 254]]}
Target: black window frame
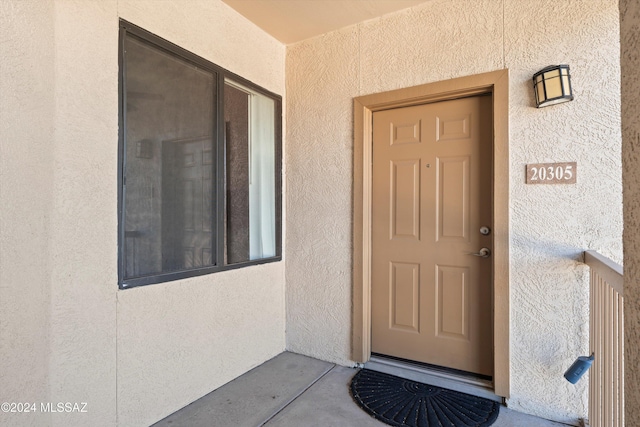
{"points": [[128, 29]]}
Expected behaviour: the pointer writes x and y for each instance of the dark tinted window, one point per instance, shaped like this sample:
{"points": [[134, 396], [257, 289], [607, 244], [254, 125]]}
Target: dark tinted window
{"points": [[200, 169]]}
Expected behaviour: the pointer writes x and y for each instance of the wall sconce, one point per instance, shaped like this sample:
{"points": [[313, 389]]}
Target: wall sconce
{"points": [[552, 85]]}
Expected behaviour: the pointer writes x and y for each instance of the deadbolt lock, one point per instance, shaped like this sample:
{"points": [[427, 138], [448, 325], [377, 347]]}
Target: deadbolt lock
{"points": [[485, 231]]}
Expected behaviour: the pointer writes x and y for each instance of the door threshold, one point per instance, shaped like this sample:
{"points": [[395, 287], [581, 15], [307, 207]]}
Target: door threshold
{"points": [[451, 381]]}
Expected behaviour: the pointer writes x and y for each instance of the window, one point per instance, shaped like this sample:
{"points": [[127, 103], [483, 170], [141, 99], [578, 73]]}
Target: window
{"points": [[200, 168]]}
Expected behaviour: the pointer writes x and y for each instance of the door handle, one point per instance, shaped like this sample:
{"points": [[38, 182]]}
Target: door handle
{"points": [[483, 253]]}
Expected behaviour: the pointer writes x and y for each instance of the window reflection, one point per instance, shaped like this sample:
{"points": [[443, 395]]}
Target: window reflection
{"points": [[169, 160]]}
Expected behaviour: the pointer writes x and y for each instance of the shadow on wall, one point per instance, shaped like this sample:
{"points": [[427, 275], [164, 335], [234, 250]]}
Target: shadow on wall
{"points": [[540, 249]]}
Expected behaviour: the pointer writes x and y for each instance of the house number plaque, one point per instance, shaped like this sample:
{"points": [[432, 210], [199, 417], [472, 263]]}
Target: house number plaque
{"points": [[552, 173]]}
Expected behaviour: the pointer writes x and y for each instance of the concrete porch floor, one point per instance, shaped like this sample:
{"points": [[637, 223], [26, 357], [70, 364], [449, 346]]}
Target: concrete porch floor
{"points": [[293, 390]]}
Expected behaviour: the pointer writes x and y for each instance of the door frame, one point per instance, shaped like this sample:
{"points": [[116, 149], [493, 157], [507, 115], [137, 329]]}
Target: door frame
{"points": [[495, 83]]}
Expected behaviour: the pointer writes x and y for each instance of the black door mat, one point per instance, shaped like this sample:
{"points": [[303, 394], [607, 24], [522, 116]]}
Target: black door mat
{"points": [[405, 403]]}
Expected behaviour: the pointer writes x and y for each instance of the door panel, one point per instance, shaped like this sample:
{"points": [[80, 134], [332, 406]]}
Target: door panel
{"points": [[405, 199], [453, 302], [431, 299], [405, 303], [453, 197]]}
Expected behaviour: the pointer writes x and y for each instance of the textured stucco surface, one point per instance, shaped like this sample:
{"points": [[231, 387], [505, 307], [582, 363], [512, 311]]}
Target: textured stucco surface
{"points": [[26, 125], [550, 225], [68, 334], [177, 343], [83, 246], [630, 64], [321, 82]]}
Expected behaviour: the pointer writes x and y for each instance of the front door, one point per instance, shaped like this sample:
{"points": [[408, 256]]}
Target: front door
{"points": [[431, 274]]}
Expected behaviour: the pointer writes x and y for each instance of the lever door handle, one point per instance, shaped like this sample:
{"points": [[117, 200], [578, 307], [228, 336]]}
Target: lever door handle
{"points": [[482, 253]]}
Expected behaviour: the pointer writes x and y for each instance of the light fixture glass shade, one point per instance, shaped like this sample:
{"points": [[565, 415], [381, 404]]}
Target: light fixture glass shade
{"points": [[552, 85]]}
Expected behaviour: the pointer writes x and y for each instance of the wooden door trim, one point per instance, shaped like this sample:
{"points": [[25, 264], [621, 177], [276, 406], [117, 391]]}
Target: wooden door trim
{"points": [[495, 83]]}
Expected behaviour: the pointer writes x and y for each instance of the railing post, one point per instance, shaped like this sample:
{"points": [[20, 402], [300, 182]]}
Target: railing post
{"points": [[606, 340]]}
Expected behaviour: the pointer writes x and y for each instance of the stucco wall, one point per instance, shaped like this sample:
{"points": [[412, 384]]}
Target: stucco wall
{"points": [[26, 126], [630, 63], [137, 355], [550, 225]]}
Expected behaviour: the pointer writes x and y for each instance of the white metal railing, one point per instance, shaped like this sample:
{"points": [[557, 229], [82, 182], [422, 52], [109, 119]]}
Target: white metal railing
{"points": [[606, 340]]}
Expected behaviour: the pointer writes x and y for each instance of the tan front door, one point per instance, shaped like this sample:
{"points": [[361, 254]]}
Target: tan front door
{"points": [[431, 204]]}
